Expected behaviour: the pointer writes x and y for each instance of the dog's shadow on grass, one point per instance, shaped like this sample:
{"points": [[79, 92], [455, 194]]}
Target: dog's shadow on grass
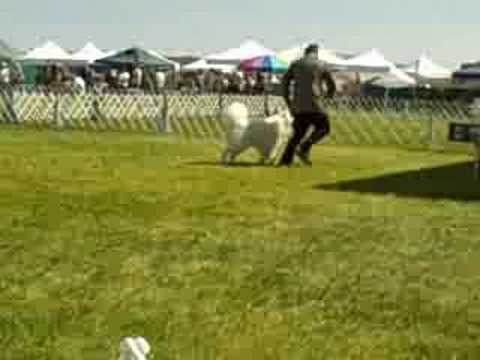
{"points": [[237, 164], [450, 182]]}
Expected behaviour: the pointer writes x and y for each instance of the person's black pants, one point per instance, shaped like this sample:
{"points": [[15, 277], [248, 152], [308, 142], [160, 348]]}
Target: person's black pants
{"points": [[301, 124]]}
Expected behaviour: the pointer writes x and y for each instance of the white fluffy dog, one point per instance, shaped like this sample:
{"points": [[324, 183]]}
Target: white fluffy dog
{"points": [[268, 136]]}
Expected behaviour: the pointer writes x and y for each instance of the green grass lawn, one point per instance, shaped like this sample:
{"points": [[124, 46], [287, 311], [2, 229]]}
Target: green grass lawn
{"points": [[374, 253]]}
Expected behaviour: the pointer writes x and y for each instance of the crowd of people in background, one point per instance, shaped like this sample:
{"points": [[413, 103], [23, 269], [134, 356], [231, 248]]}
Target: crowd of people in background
{"points": [[210, 81], [10, 75], [87, 78], [131, 79], [60, 77]]}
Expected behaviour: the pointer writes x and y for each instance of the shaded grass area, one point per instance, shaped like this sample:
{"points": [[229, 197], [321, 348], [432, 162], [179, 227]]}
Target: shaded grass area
{"points": [[111, 235], [453, 181]]}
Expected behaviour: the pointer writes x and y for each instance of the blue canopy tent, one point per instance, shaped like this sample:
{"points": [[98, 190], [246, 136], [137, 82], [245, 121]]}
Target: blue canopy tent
{"points": [[467, 73]]}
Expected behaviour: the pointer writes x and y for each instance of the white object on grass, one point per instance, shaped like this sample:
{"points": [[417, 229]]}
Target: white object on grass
{"points": [[134, 348]]}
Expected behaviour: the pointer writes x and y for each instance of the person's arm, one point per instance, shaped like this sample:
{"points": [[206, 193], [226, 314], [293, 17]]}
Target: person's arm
{"points": [[331, 86], [286, 81]]}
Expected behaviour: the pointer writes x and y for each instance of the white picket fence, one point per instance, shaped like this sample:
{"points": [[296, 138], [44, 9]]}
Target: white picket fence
{"points": [[368, 121]]}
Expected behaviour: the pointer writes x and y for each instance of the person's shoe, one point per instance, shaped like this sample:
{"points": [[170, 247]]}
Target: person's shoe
{"points": [[304, 157], [283, 164]]}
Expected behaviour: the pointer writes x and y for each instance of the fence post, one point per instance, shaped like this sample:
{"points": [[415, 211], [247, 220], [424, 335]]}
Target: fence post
{"points": [[96, 115], [58, 119], [427, 130], [266, 105], [220, 102], [431, 129], [7, 93], [165, 123], [477, 160]]}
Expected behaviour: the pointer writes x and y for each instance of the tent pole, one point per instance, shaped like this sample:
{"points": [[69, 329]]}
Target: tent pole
{"points": [[386, 98]]}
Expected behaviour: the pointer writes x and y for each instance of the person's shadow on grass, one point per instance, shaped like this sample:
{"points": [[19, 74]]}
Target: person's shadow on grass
{"points": [[449, 182]]}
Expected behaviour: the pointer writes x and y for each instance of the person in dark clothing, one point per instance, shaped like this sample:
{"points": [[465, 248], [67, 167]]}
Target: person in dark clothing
{"points": [[309, 77]]}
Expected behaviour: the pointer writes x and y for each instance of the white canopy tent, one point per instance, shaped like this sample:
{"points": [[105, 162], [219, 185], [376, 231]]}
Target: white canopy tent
{"points": [[325, 55], [426, 69], [394, 79], [49, 51], [89, 53], [330, 57], [291, 54], [110, 52], [203, 64], [247, 50], [372, 63]]}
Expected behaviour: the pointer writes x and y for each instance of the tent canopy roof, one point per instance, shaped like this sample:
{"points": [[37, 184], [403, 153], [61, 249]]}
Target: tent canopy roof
{"points": [[203, 64], [472, 73], [372, 61], [424, 67], [175, 64], [369, 61], [291, 54], [247, 50], [184, 59], [266, 63], [48, 51], [295, 53], [89, 53], [136, 56]]}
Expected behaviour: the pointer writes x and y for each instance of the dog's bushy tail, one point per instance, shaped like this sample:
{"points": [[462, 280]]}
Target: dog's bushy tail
{"points": [[236, 115]]}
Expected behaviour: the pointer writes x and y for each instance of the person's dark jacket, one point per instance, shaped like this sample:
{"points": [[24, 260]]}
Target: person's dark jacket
{"points": [[309, 77]]}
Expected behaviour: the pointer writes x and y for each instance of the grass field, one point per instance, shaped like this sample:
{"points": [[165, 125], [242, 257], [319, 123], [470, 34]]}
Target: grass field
{"points": [[371, 254]]}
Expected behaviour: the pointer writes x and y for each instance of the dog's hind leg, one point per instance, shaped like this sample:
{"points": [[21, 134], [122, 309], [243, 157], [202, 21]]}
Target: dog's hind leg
{"points": [[226, 157], [274, 152], [230, 153], [263, 153]]}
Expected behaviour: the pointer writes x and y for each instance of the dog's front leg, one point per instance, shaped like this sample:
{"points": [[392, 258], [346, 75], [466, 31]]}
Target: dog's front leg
{"points": [[276, 152], [226, 157], [264, 152]]}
